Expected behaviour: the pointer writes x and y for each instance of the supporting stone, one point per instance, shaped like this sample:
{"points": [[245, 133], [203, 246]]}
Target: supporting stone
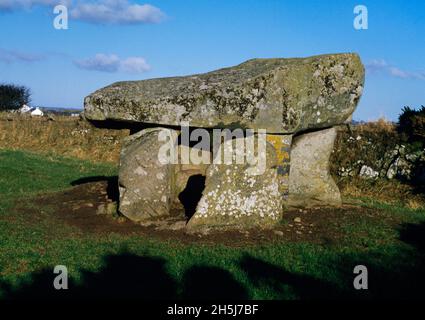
{"points": [[242, 195], [310, 182], [146, 184]]}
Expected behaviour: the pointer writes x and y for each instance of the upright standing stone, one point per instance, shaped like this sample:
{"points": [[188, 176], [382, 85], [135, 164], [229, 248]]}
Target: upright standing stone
{"points": [[145, 184], [241, 195], [310, 182]]}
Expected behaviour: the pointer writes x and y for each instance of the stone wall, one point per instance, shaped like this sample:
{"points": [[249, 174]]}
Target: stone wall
{"points": [[376, 151]]}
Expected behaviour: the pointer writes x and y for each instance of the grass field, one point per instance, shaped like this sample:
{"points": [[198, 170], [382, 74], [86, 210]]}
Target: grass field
{"points": [[33, 240]]}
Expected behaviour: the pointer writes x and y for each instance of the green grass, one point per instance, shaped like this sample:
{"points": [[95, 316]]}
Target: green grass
{"points": [[31, 247], [23, 172]]}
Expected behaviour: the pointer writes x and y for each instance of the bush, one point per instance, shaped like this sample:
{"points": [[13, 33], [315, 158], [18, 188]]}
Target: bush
{"points": [[411, 125], [12, 97]]}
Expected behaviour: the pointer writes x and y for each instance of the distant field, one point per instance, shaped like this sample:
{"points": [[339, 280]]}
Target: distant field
{"points": [[118, 260]]}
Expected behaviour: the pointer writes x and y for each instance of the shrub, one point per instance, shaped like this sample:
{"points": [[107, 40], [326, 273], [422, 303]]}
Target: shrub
{"points": [[12, 97], [411, 125]]}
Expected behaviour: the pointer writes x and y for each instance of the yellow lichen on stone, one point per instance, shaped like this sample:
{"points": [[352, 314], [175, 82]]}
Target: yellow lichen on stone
{"points": [[282, 146]]}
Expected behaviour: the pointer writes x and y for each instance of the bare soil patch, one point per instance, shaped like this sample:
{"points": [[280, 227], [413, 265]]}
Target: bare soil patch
{"points": [[78, 207]]}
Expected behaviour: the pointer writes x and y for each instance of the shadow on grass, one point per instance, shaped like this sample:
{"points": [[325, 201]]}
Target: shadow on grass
{"points": [[414, 234], [203, 282], [129, 276], [403, 276], [282, 282], [124, 276]]}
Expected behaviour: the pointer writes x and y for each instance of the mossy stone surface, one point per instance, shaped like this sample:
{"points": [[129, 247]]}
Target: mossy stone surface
{"points": [[279, 95]]}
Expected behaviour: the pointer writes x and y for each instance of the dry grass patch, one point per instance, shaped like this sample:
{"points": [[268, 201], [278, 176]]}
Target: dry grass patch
{"points": [[64, 136]]}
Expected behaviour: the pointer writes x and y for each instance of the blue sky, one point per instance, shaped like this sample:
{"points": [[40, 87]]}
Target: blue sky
{"points": [[113, 40]]}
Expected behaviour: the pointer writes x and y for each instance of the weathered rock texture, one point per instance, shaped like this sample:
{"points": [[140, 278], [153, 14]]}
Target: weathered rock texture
{"points": [[301, 98], [235, 197], [145, 184], [279, 95], [310, 182]]}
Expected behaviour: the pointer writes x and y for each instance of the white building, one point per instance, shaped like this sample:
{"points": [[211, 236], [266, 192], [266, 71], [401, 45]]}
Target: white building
{"points": [[25, 109], [37, 112]]}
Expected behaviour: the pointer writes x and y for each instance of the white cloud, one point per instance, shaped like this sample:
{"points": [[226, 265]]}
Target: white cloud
{"points": [[398, 73], [10, 56], [95, 11], [134, 65], [376, 65], [112, 63], [116, 12], [11, 5], [100, 62], [381, 66]]}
